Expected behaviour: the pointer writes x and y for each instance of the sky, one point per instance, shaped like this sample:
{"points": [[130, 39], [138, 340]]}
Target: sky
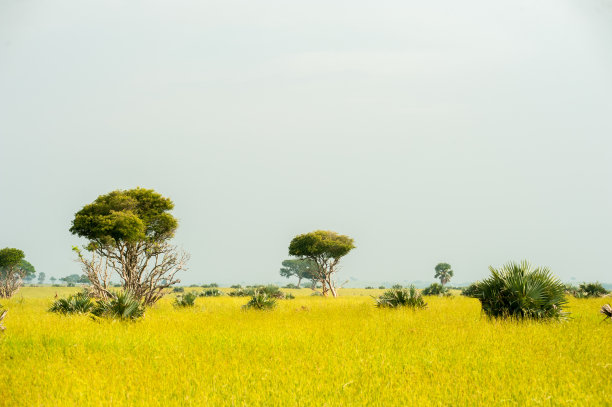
{"points": [[471, 132]]}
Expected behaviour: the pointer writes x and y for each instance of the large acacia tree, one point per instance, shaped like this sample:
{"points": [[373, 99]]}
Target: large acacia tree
{"points": [[129, 233], [325, 248], [13, 269]]}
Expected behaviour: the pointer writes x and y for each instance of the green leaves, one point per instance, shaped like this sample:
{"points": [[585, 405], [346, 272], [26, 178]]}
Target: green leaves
{"points": [[401, 297], [323, 243], [521, 291], [126, 217], [10, 257]]}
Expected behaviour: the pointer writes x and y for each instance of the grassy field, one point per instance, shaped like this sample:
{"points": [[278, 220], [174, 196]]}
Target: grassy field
{"points": [[310, 351]]}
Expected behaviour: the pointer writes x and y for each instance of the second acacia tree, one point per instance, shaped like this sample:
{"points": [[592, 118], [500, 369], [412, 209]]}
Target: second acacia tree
{"points": [[325, 248]]}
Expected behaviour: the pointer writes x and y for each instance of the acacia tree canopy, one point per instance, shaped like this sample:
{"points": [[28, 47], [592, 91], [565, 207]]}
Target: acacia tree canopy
{"points": [[325, 248], [11, 272], [128, 233]]}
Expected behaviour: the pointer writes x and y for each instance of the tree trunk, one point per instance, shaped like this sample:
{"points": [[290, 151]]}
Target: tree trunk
{"points": [[299, 282]]}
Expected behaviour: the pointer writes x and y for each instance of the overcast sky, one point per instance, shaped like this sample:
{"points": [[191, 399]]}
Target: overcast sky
{"points": [[470, 132]]}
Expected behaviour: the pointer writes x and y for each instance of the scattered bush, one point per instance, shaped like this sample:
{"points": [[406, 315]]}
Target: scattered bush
{"points": [[436, 289], [236, 286], [270, 290], [260, 301], [211, 292], [79, 303], [291, 286], [212, 285], [185, 300], [121, 305], [194, 285], [396, 287], [316, 294], [470, 291], [369, 288], [587, 290], [178, 290], [381, 287], [522, 292], [402, 297]]}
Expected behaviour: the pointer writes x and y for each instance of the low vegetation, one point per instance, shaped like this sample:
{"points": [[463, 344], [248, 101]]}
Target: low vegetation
{"points": [[260, 301], [79, 303], [436, 289], [121, 305], [185, 300], [401, 297]]}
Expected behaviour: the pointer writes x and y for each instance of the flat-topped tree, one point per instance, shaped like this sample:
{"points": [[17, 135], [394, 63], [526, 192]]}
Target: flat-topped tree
{"points": [[325, 248], [129, 233], [301, 268], [13, 269]]}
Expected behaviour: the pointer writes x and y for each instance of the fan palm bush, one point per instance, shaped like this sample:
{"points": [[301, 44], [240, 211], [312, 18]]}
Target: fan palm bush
{"points": [[211, 292], [470, 291], [401, 297], [260, 301], [121, 305], [79, 303], [517, 290], [436, 289], [185, 300]]}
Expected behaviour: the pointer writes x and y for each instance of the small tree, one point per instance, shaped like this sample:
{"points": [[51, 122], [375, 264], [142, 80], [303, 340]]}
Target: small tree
{"points": [[129, 234], [41, 277], [53, 279], [325, 249], [443, 272], [11, 271], [301, 268]]}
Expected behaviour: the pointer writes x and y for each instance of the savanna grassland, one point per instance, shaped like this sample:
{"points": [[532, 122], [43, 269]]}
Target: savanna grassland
{"points": [[309, 351]]}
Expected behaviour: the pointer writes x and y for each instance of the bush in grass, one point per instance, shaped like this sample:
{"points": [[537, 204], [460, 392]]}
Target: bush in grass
{"points": [[517, 290], [79, 303], [593, 289], [185, 300], [212, 285], [369, 288], [436, 289], [236, 286], [401, 297], [211, 292], [178, 290], [260, 301], [470, 291], [291, 286], [121, 305], [381, 287]]}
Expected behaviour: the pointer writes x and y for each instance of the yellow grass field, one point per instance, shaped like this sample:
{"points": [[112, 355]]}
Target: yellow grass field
{"points": [[309, 351]]}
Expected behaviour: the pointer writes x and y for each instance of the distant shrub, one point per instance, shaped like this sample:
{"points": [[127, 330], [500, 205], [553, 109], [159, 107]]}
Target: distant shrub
{"points": [[586, 290], [381, 287], [470, 291], [70, 285], [194, 285], [56, 285], [121, 305], [260, 301], [316, 294], [235, 286], [396, 287], [79, 303], [523, 292], [291, 286], [369, 288], [212, 285], [211, 292], [241, 292], [185, 300], [436, 289], [178, 290], [402, 297], [271, 291]]}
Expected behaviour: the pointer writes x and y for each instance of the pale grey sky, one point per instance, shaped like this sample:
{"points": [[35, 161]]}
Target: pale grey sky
{"points": [[471, 132]]}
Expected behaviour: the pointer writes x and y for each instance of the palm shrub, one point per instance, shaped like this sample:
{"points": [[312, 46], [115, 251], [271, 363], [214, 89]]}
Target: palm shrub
{"points": [[593, 289], [185, 300], [436, 289], [121, 305], [260, 301], [79, 303], [517, 290], [211, 292], [470, 291], [401, 297]]}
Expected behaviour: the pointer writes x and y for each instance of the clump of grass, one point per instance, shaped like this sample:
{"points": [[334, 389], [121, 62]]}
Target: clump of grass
{"points": [[260, 301], [79, 303], [185, 300], [401, 297], [121, 305], [522, 292]]}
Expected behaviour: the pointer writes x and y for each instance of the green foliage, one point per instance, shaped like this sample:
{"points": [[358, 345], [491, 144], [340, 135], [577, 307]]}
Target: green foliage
{"points": [[381, 287], [470, 291], [260, 301], [213, 285], [321, 243], [291, 286], [444, 272], [178, 290], [517, 290], [122, 305], [397, 286], [79, 303], [126, 216], [28, 268], [41, 277], [593, 289], [436, 289], [10, 258], [271, 291], [185, 300], [211, 292], [401, 297], [236, 286], [369, 288], [301, 268], [75, 279]]}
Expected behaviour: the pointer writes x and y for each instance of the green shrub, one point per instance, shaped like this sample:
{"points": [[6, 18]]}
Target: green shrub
{"points": [[211, 292], [121, 305], [369, 288], [213, 285], [522, 292], [235, 286], [402, 297], [185, 300], [381, 287], [396, 287], [260, 301], [178, 290], [593, 289], [291, 286], [79, 303], [470, 291], [436, 289]]}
